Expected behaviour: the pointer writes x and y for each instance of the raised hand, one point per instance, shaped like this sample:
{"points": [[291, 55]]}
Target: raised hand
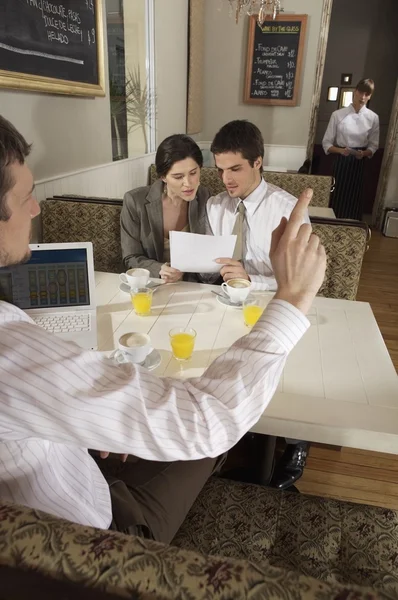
{"points": [[298, 258]]}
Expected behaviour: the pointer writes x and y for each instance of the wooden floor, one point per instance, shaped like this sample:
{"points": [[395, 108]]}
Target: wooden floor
{"points": [[357, 475]]}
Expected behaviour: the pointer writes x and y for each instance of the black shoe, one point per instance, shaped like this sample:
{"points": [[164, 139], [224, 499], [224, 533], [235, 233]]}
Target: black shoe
{"points": [[291, 465]]}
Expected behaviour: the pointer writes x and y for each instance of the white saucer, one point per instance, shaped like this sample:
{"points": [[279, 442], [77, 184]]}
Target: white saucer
{"points": [[152, 283], [227, 302], [152, 361]]}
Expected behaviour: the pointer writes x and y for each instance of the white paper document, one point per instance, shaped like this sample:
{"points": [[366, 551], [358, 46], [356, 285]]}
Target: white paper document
{"points": [[196, 253]]}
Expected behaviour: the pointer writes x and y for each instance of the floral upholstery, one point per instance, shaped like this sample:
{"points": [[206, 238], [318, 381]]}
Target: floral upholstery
{"points": [[294, 183], [345, 244], [130, 567], [95, 221], [326, 539]]}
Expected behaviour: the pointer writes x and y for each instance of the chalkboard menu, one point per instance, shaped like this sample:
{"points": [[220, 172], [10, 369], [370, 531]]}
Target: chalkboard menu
{"points": [[52, 45], [274, 59]]}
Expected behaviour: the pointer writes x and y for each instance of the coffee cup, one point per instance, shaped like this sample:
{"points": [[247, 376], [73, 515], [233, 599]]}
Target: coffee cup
{"points": [[133, 347], [237, 289], [135, 278]]}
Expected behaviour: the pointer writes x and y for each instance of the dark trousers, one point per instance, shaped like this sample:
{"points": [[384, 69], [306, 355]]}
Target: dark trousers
{"points": [[347, 198], [151, 499]]}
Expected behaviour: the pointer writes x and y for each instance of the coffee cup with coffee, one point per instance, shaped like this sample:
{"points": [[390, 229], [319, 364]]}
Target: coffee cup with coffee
{"points": [[237, 289], [135, 278], [133, 347]]}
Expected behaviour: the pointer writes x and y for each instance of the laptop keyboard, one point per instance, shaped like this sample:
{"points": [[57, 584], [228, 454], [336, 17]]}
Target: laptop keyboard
{"points": [[64, 322]]}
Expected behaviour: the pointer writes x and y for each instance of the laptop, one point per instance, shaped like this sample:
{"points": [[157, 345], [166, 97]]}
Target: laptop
{"points": [[56, 288]]}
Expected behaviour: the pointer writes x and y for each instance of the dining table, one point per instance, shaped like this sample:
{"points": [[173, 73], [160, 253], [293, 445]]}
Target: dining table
{"points": [[338, 387]]}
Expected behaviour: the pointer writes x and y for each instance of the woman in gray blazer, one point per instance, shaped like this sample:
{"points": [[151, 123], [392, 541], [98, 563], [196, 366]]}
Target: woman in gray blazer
{"points": [[175, 202]]}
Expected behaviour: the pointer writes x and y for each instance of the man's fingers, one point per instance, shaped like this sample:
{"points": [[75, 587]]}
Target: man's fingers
{"points": [[227, 261], [277, 234], [103, 454], [314, 241], [304, 233], [298, 214]]}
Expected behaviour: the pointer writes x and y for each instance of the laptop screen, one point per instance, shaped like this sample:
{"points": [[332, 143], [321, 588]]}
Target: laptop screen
{"points": [[53, 278]]}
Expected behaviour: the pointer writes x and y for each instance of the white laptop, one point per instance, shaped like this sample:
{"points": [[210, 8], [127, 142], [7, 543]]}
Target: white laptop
{"points": [[56, 288]]}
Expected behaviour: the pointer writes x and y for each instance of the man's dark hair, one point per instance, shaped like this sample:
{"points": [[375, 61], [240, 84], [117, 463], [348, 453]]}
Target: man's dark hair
{"points": [[366, 85], [175, 148], [13, 147], [239, 136]]}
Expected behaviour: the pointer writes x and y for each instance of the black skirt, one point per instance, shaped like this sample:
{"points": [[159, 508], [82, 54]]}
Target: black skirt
{"points": [[347, 200]]}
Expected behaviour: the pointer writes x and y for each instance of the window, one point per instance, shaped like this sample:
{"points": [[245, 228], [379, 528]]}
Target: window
{"points": [[130, 55]]}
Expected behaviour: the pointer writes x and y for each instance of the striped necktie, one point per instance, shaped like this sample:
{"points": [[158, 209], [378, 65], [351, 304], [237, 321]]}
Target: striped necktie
{"points": [[238, 231]]}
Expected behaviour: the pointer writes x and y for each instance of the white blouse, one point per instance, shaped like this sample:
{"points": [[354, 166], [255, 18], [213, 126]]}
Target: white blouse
{"points": [[349, 129]]}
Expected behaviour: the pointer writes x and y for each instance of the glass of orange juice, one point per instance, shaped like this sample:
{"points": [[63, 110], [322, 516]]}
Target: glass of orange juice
{"points": [[253, 308], [182, 341], [141, 299]]}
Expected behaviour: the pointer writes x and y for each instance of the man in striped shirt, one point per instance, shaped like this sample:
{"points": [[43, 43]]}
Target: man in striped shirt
{"points": [[57, 400]]}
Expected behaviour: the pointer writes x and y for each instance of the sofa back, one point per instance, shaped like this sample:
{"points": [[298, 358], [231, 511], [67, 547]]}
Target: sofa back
{"points": [[97, 220], [35, 543], [294, 183]]}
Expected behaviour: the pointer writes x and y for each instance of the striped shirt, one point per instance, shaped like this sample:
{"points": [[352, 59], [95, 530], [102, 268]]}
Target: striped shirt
{"points": [[265, 207], [57, 400]]}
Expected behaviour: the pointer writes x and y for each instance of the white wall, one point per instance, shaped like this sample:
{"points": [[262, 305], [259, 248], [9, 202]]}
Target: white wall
{"points": [[171, 52], [68, 133], [224, 72]]}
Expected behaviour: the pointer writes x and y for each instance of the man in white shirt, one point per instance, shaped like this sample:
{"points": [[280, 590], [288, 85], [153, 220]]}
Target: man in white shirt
{"points": [[57, 399], [238, 150]]}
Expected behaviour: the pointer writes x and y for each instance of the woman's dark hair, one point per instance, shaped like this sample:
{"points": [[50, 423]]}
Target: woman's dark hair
{"points": [[366, 85], [239, 136], [13, 148], [175, 148]]}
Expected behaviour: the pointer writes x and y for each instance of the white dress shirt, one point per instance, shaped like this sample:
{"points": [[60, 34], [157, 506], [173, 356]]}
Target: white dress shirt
{"points": [[57, 400], [349, 129], [265, 207]]}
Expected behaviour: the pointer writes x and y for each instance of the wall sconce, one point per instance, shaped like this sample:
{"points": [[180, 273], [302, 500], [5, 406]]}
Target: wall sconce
{"points": [[346, 79], [346, 97], [333, 92]]}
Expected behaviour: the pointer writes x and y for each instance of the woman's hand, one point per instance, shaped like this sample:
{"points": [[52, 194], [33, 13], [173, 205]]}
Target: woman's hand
{"points": [[169, 274], [345, 151]]}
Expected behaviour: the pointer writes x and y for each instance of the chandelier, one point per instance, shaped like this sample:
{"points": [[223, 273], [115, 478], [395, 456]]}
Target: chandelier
{"points": [[265, 9]]}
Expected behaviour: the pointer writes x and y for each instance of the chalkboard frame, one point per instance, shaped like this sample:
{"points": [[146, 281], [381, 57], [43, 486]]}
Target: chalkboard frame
{"points": [[50, 85], [302, 19]]}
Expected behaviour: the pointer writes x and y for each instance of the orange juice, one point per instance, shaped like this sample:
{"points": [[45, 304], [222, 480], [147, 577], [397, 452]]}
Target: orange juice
{"points": [[182, 345], [142, 302], [252, 313]]}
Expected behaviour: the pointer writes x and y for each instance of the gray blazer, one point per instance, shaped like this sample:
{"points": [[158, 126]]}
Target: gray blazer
{"points": [[141, 224]]}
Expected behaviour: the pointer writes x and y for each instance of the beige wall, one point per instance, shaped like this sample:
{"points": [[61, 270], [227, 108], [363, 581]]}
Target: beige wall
{"points": [[68, 133], [225, 61], [171, 44]]}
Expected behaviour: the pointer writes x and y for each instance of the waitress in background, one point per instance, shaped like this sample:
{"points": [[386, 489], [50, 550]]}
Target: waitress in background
{"points": [[352, 134]]}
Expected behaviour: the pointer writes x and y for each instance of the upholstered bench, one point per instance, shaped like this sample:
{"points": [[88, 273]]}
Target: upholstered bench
{"points": [[238, 541], [294, 183], [97, 220]]}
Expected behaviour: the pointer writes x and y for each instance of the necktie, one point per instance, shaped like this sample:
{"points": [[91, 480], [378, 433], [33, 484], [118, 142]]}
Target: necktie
{"points": [[238, 231]]}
